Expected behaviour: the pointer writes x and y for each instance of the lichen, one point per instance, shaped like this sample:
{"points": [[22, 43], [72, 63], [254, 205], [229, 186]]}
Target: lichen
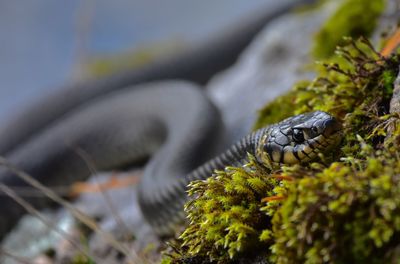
{"points": [[353, 18]]}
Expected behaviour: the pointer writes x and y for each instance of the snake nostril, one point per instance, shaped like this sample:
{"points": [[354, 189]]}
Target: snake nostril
{"points": [[331, 126], [314, 130]]}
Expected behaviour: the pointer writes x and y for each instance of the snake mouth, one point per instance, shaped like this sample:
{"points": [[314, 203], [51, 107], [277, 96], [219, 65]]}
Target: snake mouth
{"points": [[311, 148], [329, 138]]}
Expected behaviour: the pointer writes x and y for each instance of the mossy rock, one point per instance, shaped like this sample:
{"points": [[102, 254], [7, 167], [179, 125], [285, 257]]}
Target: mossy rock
{"points": [[345, 212], [341, 209], [354, 18]]}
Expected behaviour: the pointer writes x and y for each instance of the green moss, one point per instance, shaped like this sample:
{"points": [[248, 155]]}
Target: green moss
{"points": [[81, 259], [226, 217], [334, 214], [108, 64], [355, 87], [345, 212], [354, 18], [277, 110]]}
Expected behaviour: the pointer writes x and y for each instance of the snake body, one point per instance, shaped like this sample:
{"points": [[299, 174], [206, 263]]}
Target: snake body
{"points": [[116, 125], [116, 131], [131, 125]]}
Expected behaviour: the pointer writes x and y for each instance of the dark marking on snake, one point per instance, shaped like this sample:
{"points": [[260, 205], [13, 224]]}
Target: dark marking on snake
{"points": [[296, 155]]}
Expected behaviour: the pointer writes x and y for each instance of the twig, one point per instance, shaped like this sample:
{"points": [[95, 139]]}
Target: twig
{"points": [[91, 166]]}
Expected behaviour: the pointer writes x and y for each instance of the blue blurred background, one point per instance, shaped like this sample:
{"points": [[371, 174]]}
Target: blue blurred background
{"points": [[43, 42]]}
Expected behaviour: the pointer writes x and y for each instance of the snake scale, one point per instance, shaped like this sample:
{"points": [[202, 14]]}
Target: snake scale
{"points": [[131, 125]]}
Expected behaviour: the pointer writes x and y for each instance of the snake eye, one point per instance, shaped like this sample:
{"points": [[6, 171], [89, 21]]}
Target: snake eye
{"points": [[313, 131], [298, 135]]}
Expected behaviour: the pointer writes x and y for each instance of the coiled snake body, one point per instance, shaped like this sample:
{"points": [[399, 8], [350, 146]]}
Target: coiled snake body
{"points": [[172, 121]]}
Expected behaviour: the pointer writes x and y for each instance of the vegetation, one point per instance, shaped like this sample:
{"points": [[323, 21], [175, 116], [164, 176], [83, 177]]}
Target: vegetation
{"points": [[341, 212]]}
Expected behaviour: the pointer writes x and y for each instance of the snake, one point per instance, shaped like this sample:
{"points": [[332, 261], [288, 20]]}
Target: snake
{"points": [[176, 127], [119, 121], [196, 63]]}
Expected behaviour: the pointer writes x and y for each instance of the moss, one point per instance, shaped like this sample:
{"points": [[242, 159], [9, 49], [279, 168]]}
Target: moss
{"points": [[354, 18], [81, 259], [355, 87], [277, 110], [108, 64], [341, 212], [345, 212], [334, 214], [226, 217]]}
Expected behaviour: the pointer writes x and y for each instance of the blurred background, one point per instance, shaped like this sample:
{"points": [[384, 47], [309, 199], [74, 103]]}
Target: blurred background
{"points": [[45, 43]]}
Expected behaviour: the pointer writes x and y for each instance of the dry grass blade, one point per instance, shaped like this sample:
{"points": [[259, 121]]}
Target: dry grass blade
{"points": [[114, 212], [30, 209], [90, 223], [32, 192], [392, 44]]}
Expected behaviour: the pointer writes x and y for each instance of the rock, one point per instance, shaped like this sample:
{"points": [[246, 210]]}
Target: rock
{"points": [[32, 236], [270, 66], [387, 22]]}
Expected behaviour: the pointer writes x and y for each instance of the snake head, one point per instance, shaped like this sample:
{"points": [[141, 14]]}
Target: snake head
{"points": [[301, 138]]}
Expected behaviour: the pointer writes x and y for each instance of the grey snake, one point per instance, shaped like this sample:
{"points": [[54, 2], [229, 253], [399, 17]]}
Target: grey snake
{"points": [[118, 122], [134, 124]]}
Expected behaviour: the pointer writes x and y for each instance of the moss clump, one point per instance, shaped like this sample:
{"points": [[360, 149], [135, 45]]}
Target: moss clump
{"points": [[339, 213], [355, 86], [346, 213], [226, 216], [354, 18]]}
